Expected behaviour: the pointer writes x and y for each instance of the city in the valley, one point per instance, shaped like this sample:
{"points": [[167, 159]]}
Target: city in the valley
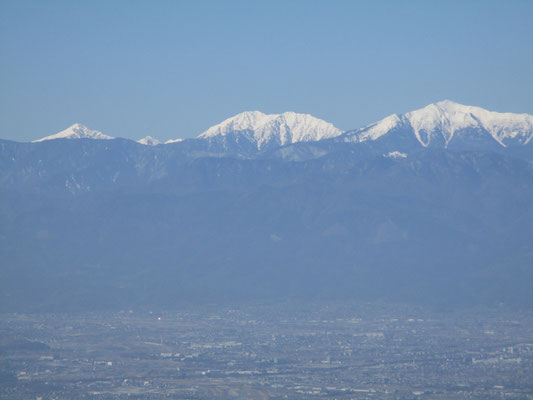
{"points": [[270, 351]]}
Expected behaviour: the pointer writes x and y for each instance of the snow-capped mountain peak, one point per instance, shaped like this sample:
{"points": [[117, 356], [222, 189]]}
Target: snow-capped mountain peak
{"points": [[149, 141], [376, 130], [289, 127], [76, 131], [446, 122], [448, 118], [248, 120]]}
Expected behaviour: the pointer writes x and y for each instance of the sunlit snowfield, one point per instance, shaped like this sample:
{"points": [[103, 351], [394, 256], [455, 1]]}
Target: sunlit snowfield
{"points": [[277, 351]]}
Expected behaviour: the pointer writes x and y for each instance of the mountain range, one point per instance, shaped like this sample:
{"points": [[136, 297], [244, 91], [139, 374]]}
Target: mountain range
{"points": [[444, 124], [430, 206]]}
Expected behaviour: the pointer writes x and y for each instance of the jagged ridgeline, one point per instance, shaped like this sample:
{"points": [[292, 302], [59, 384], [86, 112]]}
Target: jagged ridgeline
{"points": [[432, 206]]}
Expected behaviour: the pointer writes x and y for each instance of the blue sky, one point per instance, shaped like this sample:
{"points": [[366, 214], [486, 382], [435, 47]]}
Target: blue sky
{"points": [[173, 68]]}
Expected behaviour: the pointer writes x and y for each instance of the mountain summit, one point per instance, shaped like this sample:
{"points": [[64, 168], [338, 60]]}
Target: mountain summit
{"points": [[149, 141], [76, 131], [449, 124], [269, 129]]}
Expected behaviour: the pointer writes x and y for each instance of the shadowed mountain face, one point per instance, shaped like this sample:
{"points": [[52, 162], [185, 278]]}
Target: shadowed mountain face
{"points": [[89, 224]]}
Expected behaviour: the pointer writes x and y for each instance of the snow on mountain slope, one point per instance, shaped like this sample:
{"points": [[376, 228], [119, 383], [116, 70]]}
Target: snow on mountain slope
{"points": [[281, 129], [451, 118], [173, 141], [378, 129], [149, 141], [443, 124], [447, 122], [76, 131]]}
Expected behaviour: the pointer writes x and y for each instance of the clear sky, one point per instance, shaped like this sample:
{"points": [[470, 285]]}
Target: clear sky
{"points": [[173, 68]]}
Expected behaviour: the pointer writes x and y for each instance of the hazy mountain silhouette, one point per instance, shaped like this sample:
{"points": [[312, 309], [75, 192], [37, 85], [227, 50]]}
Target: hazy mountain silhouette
{"points": [[88, 224]]}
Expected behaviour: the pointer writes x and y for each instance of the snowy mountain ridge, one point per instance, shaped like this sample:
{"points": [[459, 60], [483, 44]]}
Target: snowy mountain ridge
{"points": [[446, 121], [76, 131], [286, 128], [149, 141], [174, 140], [442, 124]]}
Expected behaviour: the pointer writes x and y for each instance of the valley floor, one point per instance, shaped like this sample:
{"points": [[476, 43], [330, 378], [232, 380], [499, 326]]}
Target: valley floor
{"points": [[269, 351]]}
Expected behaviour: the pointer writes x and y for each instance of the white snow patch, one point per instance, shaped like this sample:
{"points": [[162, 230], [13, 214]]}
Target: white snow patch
{"points": [[173, 141], [395, 154]]}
